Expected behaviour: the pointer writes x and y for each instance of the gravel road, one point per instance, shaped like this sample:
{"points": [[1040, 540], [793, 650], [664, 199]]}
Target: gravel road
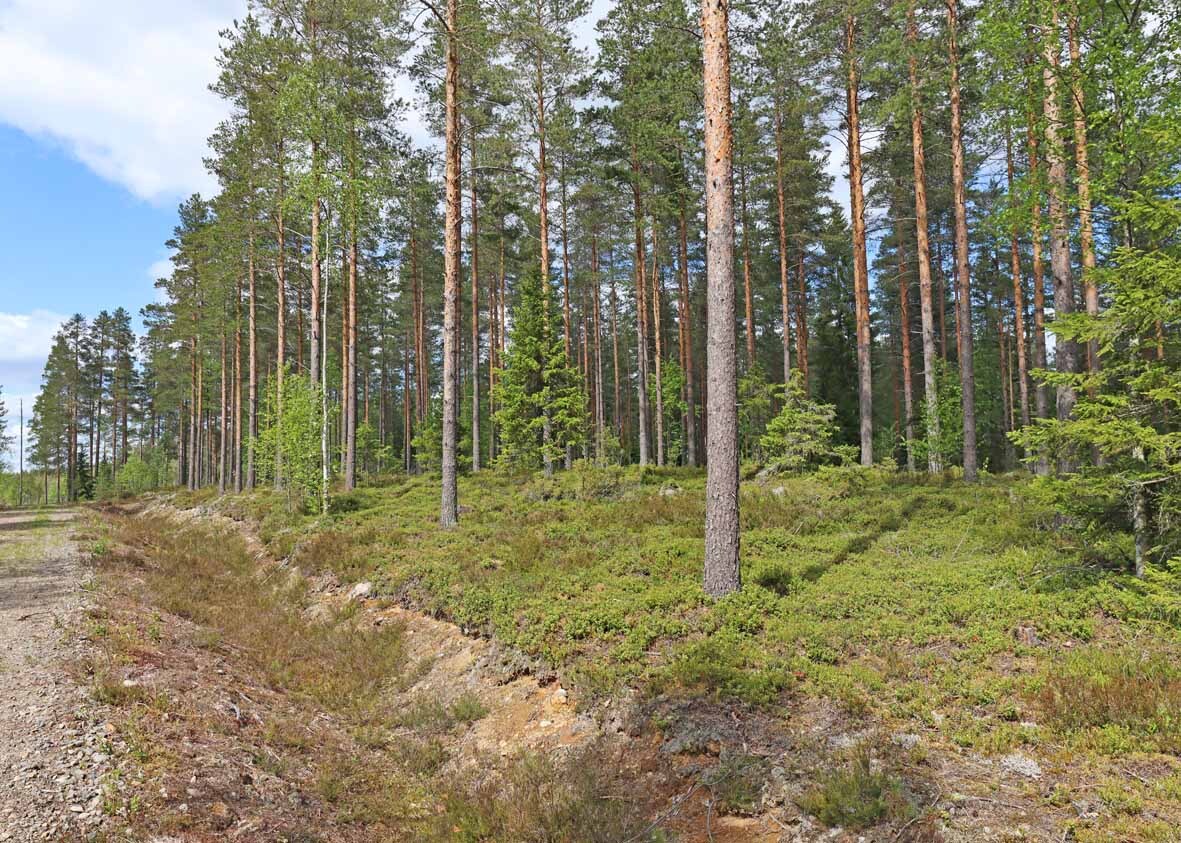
{"points": [[53, 751]]}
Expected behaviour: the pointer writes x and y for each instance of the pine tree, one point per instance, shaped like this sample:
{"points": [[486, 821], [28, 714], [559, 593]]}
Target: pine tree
{"points": [[6, 439]]}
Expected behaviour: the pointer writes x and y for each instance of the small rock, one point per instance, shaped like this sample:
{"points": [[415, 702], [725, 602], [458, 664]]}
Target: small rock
{"points": [[360, 591], [906, 741], [1021, 765], [1028, 636]]}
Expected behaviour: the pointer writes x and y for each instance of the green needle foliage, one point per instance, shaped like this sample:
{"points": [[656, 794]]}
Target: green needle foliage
{"points": [[801, 435], [537, 388]]}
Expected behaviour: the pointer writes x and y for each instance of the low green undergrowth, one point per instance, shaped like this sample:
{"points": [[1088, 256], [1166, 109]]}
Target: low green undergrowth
{"points": [[902, 596], [1125, 698]]}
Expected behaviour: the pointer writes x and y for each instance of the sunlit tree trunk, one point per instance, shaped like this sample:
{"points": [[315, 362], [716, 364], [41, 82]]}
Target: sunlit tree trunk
{"points": [[237, 422], [252, 388], [657, 290], [964, 346], [907, 375], [781, 202], [543, 234], [449, 511], [641, 313], [686, 324], [1018, 298], [1041, 391], [923, 253], [281, 310], [596, 293], [748, 293], [223, 451], [1065, 351], [860, 260], [475, 250], [721, 574], [1083, 183], [616, 407], [802, 317], [350, 394], [566, 320]]}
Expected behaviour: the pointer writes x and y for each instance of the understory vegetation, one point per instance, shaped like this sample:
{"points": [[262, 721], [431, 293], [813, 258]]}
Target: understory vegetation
{"points": [[305, 703], [968, 612]]}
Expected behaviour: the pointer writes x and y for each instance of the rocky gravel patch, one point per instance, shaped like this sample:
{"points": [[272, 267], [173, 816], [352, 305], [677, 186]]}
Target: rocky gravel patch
{"points": [[55, 747]]}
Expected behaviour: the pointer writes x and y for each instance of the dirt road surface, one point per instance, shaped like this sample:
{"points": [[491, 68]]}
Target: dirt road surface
{"points": [[52, 743]]}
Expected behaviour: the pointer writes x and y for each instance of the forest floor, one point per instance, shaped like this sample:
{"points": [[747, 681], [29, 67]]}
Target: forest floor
{"points": [[910, 659]]}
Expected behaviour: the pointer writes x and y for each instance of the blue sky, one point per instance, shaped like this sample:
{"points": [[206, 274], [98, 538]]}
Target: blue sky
{"points": [[77, 242]]}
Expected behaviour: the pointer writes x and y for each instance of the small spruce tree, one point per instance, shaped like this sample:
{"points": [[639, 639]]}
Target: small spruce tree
{"points": [[537, 387], [801, 435]]}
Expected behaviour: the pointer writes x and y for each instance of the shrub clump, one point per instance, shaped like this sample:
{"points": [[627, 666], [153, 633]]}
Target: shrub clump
{"points": [[857, 795]]}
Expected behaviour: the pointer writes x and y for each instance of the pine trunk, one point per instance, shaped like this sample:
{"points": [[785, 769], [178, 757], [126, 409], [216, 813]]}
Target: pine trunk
{"points": [[449, 510], [641, 313], [1066, 351], [860, 260], [314, 360], [1083, 181], [1041, 392], [721, 573], [802, 317], [1018, 299], [963, 278], [543, 236], [686, 323], [923, 254], [475, 249], [657, 296], [781, 201], [907, 374], [748, 293], [237, 460], [350, 397], [223, 451]]}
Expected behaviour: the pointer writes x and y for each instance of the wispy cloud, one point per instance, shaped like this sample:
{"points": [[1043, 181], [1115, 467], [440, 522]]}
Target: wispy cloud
{"points": [[122, 85], [25, 340]]}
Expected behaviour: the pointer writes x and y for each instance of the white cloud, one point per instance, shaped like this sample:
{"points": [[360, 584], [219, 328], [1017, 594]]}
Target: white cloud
{"points": [[27, 336], [25, 340], [122, 85], [160, 269]]}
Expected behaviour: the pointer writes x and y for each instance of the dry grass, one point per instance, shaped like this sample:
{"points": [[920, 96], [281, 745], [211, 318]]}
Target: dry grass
{"points": [[285, 720], [1139, 692], [214, 581], [540, 798]]}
